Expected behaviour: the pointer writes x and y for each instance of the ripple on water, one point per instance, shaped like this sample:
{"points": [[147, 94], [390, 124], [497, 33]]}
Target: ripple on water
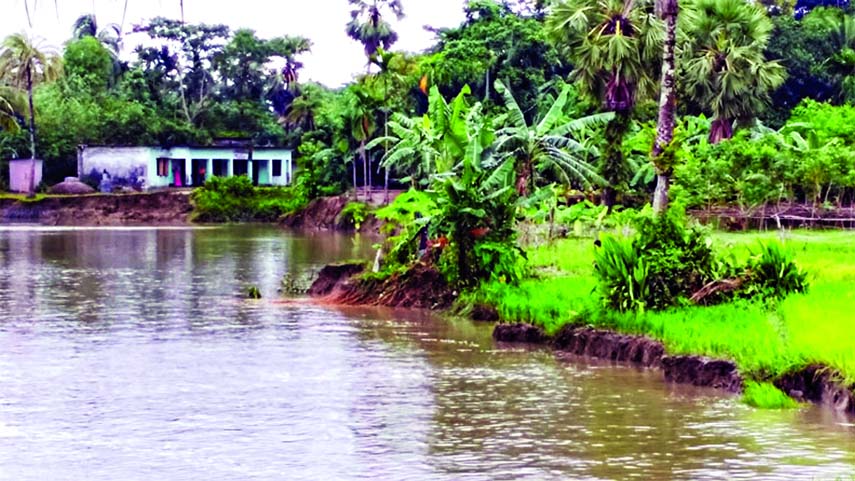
{"points": [[129, 354]]}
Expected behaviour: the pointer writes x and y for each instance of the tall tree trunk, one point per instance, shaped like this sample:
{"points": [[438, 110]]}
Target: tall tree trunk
{"points": [[386, 149], [668, 10], [721, 129], [181, 2], [364, 167], [355, 186], [32, 186], [613, 168]]}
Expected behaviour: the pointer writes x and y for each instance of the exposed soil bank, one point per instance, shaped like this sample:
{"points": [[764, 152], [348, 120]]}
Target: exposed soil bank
{"points": [[324, 213], [157, 208], [637, 350], [421, 287], [819, 385]]}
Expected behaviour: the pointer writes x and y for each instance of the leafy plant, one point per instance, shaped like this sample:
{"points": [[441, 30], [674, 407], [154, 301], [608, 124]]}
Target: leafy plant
{"points": [[354, 214], [773, 273], [661, 266], [622, 274]]}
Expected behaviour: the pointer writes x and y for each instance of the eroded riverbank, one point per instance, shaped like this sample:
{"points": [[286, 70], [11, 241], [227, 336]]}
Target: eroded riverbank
{"points": [[169, 208]]}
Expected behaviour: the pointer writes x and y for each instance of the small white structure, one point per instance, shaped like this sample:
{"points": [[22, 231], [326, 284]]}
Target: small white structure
{"points": [[19, 174], [155, 167]]}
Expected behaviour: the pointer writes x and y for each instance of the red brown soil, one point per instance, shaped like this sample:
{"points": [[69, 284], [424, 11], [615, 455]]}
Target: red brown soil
{"points": [[324, 213], [157, 208], [420, 287]]}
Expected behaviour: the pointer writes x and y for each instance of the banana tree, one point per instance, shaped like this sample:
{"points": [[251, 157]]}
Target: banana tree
{"points": [[548, 143]]}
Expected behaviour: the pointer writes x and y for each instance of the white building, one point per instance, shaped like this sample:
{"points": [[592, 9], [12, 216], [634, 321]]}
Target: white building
{"points": [[155, 167]]}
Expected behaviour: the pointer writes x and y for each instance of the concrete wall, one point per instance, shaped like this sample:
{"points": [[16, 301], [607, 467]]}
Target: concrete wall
{"points": [[19, 175], [127, 166], [137, 166]]}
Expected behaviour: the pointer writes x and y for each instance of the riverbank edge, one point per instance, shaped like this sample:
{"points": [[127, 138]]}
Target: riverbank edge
{"points": [[813, 383], [164, 208], [341, 284]]}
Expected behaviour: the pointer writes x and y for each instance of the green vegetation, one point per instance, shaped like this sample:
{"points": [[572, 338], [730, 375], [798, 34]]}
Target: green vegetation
{"points": [[235, 199], [767, 396], [764, 339]]}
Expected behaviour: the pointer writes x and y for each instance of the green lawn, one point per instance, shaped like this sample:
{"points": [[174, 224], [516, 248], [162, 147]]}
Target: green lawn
{"points": [[816, 327]]}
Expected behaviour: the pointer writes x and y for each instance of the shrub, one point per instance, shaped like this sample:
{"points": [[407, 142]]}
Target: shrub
{"points": [[622, 274], [773, 273], [500, 261], [661, 266], [354, 214], [235, 199]]}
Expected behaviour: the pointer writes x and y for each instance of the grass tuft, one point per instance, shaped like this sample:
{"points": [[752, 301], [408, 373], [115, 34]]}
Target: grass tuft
{"points": [[766, 396]]}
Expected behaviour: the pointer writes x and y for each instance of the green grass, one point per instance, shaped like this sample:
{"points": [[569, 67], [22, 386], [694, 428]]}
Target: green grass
{"points": [[766, 396], [764, 340]]}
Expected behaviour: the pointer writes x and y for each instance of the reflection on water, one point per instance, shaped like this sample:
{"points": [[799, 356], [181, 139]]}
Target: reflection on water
{"points": [[128, 354]]}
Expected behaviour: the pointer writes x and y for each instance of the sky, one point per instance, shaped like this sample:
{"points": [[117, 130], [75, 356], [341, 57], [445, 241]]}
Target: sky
{"points": [[334, 60]]}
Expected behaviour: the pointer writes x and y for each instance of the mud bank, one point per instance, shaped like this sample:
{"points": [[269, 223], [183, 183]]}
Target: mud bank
{"points": [[421, 287], [158, 208], [324, 213], [636, 350], [819, 385]]}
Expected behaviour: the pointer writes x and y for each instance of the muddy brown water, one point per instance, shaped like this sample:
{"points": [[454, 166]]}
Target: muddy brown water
{"points": [[126, 354]]}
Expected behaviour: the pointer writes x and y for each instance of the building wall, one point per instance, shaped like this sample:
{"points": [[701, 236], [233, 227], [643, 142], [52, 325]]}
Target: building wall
{"points": [[138, 166], [19, 175], [127, 166]]}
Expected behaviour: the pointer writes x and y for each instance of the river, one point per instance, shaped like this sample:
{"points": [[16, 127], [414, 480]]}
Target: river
{"points": [[129, 354]]}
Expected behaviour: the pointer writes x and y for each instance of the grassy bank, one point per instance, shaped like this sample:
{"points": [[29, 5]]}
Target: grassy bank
{"points": [[764, 340]]}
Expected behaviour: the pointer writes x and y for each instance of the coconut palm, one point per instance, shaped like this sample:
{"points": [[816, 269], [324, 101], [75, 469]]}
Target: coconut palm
{"points": [[724, 69], [614, 45], [369, 27], [668, 10], [110, 36], [546, 144], [24, 63]]}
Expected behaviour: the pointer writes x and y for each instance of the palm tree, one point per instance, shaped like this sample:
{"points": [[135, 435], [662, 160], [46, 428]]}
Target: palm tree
{"points": [[368, 26], [842, 27], [668, 10], [547, 143], [25, 64], [111, 36], [289, 48], [614, 45], [725, 70]]}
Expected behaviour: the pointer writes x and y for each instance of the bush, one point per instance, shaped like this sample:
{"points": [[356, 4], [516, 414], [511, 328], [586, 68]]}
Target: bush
{"points": [[235, 199], [661, 266], [772, 273], [622, 273], [354, 214]]}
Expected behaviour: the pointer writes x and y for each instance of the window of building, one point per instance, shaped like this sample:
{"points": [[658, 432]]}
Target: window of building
{"points": [[241, 167], [221, 168], [277, 167], [163, 167]]}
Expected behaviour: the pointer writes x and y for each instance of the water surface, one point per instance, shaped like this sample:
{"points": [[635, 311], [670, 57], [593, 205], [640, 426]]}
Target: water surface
{"points": [[128, 354]]}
